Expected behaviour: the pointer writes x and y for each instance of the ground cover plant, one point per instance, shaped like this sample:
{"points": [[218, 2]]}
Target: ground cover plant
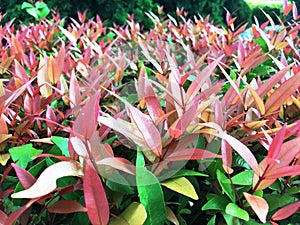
{"points": [[186, 123]]}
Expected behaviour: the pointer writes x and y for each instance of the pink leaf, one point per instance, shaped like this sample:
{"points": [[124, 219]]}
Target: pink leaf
{"points": [[259, 206], [243, 151], [282, 93], [94, 197], [3, 217], [226, 156], [86, 121], [118, 163], [46, 182], [284, 171], [24, 176], [286, 211], [147, 129], [201, 79], [191, 154], [66, 206], [276, 145]]}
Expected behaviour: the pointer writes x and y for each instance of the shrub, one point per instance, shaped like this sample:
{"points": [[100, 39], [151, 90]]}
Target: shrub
{"points": [[186, 123]]}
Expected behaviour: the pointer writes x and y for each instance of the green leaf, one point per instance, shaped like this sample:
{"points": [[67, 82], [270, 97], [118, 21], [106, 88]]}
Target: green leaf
{"points": [[293, 190], [134, 214], [262, 43], [212, 221], [231, 220], [275, 200], [26, 5], [23, 154], [219, 202], [150, 193], [62, 144], [234, 210], [226, 185], [121, 185], [186, 173], [182, 186], [243, 178]]}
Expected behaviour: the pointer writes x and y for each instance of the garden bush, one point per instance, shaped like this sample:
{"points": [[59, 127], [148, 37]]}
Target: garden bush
{"points": [[186, 123]]}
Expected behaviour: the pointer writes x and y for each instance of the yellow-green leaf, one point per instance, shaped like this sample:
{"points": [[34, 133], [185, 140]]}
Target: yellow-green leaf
{"points": [[4, 158], [182, 186], [134, 214]]}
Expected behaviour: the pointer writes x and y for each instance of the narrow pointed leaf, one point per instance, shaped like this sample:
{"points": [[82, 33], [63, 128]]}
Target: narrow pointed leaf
{"points": [[276, 145], [147, 129], [191, 154], [286, 211], [259, 206], [66, 206], [258, 101], [94, 197], [243, 151], [284, 171], [181, 185], [86, 121], [26, 179], [282, 93], [147, 185], [46, 182], [171, 216]]}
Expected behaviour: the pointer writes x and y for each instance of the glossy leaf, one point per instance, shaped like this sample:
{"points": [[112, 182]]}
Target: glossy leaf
{"points": [[66, 206], [191, 154], [62, 144], [234, 210], [218, 202], [94, 197], [286, 211], [24, 177], [147, 184], [46, 183], [181, 185], [259, 206], [23, 154]]}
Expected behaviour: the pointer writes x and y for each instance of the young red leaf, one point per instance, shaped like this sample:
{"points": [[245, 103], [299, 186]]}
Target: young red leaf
{"points": [[147, 129], [243, 151], [281, 94], [284, 171], [3, 217], [74, 92], [286, 211], [46, 182], [226, 150], [24, 176], [191, 154], [259, 206], [94, 197], [276, 146], [66, 206], [86, 121], [118, 163], [201, 79]]}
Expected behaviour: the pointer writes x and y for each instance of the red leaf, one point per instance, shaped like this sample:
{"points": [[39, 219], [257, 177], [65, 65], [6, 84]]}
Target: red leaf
{"points": [[24, 176], [284, 171], [281, 94], [66, 206], [86, 121], [286, 211], [243, 151], [118, 163], [94, 197], [191, 154], [226, 156], [147, 129], [276, 145], [201, 79], [3, 217], [259, 206]]}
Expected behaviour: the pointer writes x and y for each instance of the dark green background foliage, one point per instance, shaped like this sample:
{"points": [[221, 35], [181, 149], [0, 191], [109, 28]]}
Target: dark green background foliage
{"points": [[269, 10], [116, 11]]}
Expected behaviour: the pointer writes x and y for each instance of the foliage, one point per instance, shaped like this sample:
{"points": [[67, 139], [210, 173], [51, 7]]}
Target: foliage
{"points": [[187, 123]]}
